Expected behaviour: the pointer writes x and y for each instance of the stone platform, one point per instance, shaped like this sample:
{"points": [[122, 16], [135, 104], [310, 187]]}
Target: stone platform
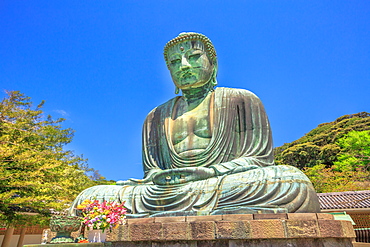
{"points": [[257, 230], [296, 229]]}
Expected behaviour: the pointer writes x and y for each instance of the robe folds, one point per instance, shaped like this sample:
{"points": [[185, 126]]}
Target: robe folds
{"points": [[241, 154]]}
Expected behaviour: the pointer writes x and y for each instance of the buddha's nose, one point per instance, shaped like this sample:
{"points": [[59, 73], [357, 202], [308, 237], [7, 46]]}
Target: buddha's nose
{"points": [[184, 63]]}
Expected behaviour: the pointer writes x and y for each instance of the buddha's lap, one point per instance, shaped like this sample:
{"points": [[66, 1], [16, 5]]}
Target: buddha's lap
{"points": [[250, 183]]}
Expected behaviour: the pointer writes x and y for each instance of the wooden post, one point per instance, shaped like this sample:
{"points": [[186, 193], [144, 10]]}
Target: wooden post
{"points": [[7, 237], [21, 237]]}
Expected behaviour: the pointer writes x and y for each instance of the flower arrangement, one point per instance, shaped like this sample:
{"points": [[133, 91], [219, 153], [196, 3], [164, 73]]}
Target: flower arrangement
{"points": [[104, 215]]}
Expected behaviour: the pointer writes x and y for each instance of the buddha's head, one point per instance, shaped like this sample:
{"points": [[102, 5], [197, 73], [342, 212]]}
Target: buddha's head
{"points": [[191, 59]]}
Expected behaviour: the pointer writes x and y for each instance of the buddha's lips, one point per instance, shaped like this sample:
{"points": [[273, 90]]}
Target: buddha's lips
{"points": [[186, 74]]}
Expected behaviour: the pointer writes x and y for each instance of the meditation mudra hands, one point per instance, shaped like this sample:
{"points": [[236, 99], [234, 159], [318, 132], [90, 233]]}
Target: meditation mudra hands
{"points": [[182, 175], [173, 176]]}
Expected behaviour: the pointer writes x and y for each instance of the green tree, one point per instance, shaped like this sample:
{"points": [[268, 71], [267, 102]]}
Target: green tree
{"points": [[355, 152], [36, 173]]}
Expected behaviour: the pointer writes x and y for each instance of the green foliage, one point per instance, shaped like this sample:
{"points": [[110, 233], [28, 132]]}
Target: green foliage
{"points": [[335, 156], [326, 179], [299, 154], [355, 151], [319, 145], [351, 171], [36, 173]]}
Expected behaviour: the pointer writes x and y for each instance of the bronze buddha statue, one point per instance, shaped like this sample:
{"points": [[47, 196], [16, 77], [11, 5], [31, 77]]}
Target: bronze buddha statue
{"points": [[208, 151]]}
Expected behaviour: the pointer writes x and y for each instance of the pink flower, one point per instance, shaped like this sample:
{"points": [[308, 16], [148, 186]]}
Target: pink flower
{"points": [[102, 215]]}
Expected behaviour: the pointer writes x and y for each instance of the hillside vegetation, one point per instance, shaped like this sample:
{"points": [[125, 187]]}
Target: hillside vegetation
{"points": [[335, 155]]}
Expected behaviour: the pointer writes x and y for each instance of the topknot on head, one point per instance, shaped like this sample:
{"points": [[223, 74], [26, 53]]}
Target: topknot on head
{"points": [[188, 36]]}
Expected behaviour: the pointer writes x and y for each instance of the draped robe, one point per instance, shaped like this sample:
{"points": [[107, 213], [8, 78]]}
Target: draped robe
{"points": [[240, 152]]}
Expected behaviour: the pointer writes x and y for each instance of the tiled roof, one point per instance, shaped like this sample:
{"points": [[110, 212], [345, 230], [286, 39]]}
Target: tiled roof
{"points": [[342, 200]]}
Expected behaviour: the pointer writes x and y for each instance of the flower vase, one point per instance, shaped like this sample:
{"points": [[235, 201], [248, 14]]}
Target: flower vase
{"points": [[97, 236]]}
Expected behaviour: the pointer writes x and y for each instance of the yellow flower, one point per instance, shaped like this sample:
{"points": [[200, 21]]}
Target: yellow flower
{"points": [[84, 204]]}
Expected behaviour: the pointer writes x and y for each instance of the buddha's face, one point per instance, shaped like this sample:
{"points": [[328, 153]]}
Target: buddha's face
{"points": [[189, 65]]}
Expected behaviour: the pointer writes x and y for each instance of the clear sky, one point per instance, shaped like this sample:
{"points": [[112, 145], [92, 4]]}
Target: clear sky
{"points": [[100, 65]]}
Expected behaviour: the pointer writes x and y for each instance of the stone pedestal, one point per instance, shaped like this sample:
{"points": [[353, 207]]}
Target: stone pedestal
{"points": [[257, 230], [296, 229]]}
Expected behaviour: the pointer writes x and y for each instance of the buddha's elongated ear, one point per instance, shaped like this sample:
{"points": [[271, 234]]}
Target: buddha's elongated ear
{"points": [[214, 73]]}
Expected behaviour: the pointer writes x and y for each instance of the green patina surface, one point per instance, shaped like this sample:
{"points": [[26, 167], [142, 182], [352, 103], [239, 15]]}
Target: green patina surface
{"points": [[208, 151]]}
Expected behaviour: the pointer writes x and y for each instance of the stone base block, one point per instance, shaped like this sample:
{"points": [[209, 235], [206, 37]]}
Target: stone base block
{"points": [[296, 229], [254, 230]]}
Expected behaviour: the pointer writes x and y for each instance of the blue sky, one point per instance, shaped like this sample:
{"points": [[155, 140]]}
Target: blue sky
{"points": [[99, 64]]}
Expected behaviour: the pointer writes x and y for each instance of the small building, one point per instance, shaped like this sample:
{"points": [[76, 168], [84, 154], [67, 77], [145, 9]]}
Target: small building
{"points": [[20, 236], [356, 204]]}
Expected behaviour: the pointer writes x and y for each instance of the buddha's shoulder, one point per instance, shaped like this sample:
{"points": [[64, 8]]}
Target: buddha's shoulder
{"points": [[235, 92], [167, 106]]}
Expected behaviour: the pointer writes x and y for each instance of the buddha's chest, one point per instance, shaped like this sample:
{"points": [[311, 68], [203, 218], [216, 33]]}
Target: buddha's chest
{"points": [[192, 123], [191, 129]]}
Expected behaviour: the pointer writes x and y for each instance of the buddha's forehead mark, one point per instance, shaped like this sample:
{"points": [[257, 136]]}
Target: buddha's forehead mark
{"points": [[185, 46]]}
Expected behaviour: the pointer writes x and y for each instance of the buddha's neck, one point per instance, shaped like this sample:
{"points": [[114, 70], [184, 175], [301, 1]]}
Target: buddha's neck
{"points": [[195, 96]]}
